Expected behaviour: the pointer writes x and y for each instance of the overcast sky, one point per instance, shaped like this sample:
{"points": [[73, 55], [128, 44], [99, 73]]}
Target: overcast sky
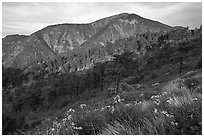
{"points": [[26, 18]]}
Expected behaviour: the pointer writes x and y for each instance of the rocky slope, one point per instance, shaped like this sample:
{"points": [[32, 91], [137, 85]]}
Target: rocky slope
{"points": [[78, 44]]}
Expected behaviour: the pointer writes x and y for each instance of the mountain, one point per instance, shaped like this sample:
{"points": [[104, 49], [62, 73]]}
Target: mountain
{"points": [[131, 65], [74, 45]]}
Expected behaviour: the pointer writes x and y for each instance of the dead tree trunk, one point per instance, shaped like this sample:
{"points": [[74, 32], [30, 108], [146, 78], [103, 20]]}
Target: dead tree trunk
{"points": [[181, 66], [117, 84]]}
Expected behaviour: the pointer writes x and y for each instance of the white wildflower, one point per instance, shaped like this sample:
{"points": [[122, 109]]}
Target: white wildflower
{"points": [[127, 105], [71, 110], [72, 123], [82, 106], [107, 107], [78, 128], [112, 109], [157, 102], [54, 123], [141, 95], [194, 99], [140, 102], [70, 117], [191, 116], [167, 115], [155, 96], [164, 112], [174, 123], [168, 101], [164, 93], [64, 120], [155, 110], [102, 109]]}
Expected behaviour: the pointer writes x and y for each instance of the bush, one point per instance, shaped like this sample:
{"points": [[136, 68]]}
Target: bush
{"points": [[136, 119], [191, 83], [91, 122], [118, 128], [153, 76], [199, 64], [185, 107], [10, 123], [132, 115], [188, 114]]}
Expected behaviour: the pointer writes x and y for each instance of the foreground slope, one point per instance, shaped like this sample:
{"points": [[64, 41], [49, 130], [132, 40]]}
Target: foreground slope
{"points": [[157, 93]]}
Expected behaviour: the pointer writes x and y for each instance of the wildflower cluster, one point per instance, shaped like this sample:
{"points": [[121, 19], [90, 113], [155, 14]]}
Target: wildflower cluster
{"points": [[69, 119], [105, 108], [172, 108], [174, 123], [156, 99], [167, 114], [128, 105], [65, 126], [117, 99]]}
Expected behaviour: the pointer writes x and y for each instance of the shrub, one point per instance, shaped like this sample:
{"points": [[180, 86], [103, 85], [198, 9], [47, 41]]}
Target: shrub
{"points": [[131, 96], [136, 119], [186, 108], [117, 128], [153, 76], [191, 83], [133, 114], [188, 114], [10, 123], [175, 88], [91, 122], [199, 64]]}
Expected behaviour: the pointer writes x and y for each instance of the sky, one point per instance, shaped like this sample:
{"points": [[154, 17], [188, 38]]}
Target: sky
{"points": [[27, 18]]}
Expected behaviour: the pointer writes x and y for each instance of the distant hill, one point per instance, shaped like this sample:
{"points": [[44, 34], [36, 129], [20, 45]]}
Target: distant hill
{"points": [[79, 44]]}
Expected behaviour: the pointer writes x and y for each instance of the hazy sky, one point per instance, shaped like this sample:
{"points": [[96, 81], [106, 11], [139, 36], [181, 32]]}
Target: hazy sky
{"points": [[26, 18]]}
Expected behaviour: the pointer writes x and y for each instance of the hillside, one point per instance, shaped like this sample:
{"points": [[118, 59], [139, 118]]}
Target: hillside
{"points": [[147, 84]]}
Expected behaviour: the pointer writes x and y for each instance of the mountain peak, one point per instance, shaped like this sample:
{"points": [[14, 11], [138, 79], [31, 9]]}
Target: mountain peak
{"points": [[76, 39]]}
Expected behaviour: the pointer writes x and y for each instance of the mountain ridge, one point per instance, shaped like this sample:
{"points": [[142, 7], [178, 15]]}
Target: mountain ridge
{"points": [[62, 39]]}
